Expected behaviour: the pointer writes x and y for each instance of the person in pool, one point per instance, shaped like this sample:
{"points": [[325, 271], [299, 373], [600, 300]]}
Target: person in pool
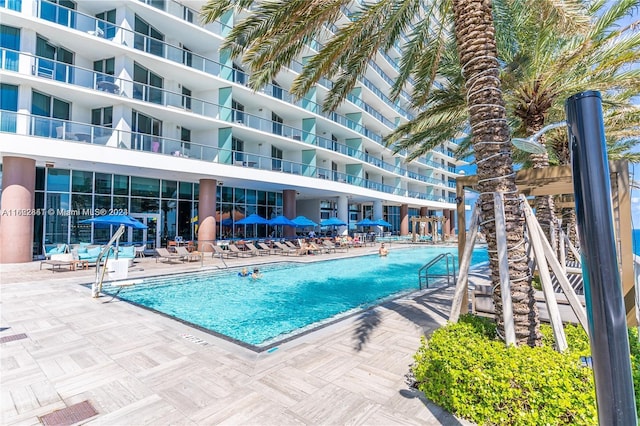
{"points": [[243, 273], [256, 274], [382, 251]]}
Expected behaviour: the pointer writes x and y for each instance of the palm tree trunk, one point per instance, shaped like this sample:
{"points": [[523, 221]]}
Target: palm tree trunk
{"points": [[475, 35]]}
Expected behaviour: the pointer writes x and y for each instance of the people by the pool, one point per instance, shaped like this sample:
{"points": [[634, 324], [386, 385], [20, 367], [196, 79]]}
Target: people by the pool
{"points": [[256, 274], [244, 273], [383, 251]]}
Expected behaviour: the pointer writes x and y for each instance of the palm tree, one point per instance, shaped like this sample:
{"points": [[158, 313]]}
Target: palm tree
{"points": [[276, 32]]}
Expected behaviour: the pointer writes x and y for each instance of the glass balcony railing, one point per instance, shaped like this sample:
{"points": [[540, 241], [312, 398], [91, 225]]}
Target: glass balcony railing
{"points": [[11, 5], [77, 132]]}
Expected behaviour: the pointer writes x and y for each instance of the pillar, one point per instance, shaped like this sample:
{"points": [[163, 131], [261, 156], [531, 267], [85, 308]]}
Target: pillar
{"points": [[377, 210], [404, 219], [16, 209], [289, 211], [448, 225], [207, 214], [343, 214]]}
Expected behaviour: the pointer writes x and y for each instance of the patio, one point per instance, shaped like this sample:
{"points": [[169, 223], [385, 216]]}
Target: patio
{"points": [[61, 347]]}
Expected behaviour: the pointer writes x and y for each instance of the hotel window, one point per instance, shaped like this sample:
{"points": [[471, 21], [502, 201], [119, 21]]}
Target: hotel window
{"points": [[52, 61], [148, 38], [12, 4], [276, 126], [187, 14], [186, 98], [187, 56], [238, 74], [10, 44], [106, 23], [238, 112], [185, 137], [106, 68], [102, 117], [237, 147], [9, 107], [277, 90], [158, 4], [54, 113], [58, 11], [148, 129], [276, 158], [147, 86]]}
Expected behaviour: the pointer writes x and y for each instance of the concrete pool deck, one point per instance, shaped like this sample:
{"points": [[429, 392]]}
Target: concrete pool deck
{"points": [[61, 347]]}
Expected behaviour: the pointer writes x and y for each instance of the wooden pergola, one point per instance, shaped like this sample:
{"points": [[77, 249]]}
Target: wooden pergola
{"points": [[416, 221], [558, 181]]}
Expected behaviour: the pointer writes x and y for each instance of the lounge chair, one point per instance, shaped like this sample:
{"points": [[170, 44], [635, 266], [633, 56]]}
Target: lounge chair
{"points": [[271, 250], [315, 249], [285, 250], [328, 246], [163, 253], [241, 253], [257, 251], [49, 249], [217, 250], [189, 255], [291, 245]]}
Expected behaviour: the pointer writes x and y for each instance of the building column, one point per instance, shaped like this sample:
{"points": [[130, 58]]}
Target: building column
{"points": [[449, 224], [424, 211], [343, 214], [16, 209], [289, 211], [207, 214], [377, 210], [404, 219]]}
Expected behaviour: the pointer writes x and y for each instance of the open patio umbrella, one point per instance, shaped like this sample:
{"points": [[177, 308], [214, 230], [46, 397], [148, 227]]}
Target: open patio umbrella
{"points": [[332, 221], [302, 222], [115, 219], [381, 222], [365, 222], [281, 220], [253, 219]]}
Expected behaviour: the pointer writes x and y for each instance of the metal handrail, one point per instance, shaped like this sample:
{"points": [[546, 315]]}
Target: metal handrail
{"points": [[424, 275], [97, 285]]}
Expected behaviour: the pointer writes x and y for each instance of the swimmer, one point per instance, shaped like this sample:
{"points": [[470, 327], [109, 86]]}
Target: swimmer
{"points": [[383, 250], [256, 274], [243, 273]]}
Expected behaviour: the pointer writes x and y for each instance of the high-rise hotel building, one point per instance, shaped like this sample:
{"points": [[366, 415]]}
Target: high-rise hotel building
{"points": [[131, 106]]}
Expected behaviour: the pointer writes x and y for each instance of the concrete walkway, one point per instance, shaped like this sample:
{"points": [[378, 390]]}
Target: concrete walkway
{"points": [[61, 347]]}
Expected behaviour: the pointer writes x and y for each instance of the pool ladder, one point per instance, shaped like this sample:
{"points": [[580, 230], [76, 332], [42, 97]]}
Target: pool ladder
{"points": [[424, 275]]}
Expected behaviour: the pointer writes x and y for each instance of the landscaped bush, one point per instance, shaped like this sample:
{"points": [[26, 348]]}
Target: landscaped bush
{"points": [[464, 369]]}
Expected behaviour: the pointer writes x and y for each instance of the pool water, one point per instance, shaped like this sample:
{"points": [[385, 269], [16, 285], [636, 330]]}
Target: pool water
{"points": [[289, 298]]}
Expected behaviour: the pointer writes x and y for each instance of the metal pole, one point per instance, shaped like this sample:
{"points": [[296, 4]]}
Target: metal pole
{"points": [[603, 288]]}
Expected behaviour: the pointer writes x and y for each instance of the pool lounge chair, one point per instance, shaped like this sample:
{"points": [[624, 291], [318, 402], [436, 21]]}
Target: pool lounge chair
{"points": [[285, 250], [240, 253], [328, 246], [271, 250], [219, 252], [257, 251], [163, 253], [187, 255]]}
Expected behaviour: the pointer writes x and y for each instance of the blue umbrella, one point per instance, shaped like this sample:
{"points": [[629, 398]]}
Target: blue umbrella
{"points": [[227, 222], [302, 222], [253, 219], [381, 222], [365, 222], [281, 220], [332, 221], [115, 219]]}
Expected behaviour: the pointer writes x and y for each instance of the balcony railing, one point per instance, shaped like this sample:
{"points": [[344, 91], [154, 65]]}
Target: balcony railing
{"points": [[77, 132]]}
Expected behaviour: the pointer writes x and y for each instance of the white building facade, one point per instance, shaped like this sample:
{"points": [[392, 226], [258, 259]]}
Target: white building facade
{"points": [[131, 106]]}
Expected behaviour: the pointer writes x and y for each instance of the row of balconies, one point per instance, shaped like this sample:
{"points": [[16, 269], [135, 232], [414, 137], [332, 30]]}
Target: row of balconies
{"points": [[51, 128]]}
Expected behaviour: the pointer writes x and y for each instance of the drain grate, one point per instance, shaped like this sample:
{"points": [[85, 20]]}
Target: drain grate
{"points": [[11, 338], [70, 415], [194, 339]]}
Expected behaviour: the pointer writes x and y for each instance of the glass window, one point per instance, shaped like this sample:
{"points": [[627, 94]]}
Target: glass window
{"points": [[121, 203], [169, 189], [239, 196], [271, 198], [145, 187], [58, 180], [53, 61], [102, 202], [45, 106], [145, 205], [251, 196], [12, 4], [147, 38], [40, 178], [82, 182], [262, 197], [226, 195], [57, 225], [10, 40], [9, 107], [186, 190], [105, 20], [120, 185], [80, 232]]}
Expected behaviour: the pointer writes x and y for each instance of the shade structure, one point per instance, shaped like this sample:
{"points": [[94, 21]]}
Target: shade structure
{"points": [[332, 221], [381, 222], [302, 221], [365, 222], [253, 219], [115, 219], [281, 220]]}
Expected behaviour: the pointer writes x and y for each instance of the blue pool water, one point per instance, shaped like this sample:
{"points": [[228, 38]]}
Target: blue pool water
{"points": [[290, 298]]}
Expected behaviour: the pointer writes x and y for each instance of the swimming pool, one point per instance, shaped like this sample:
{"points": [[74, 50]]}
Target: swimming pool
{"points": [[290, 298]]}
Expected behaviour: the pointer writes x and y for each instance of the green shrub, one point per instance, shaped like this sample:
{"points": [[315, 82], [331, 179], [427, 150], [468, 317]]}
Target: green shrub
{"points": [[464, 369]]}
